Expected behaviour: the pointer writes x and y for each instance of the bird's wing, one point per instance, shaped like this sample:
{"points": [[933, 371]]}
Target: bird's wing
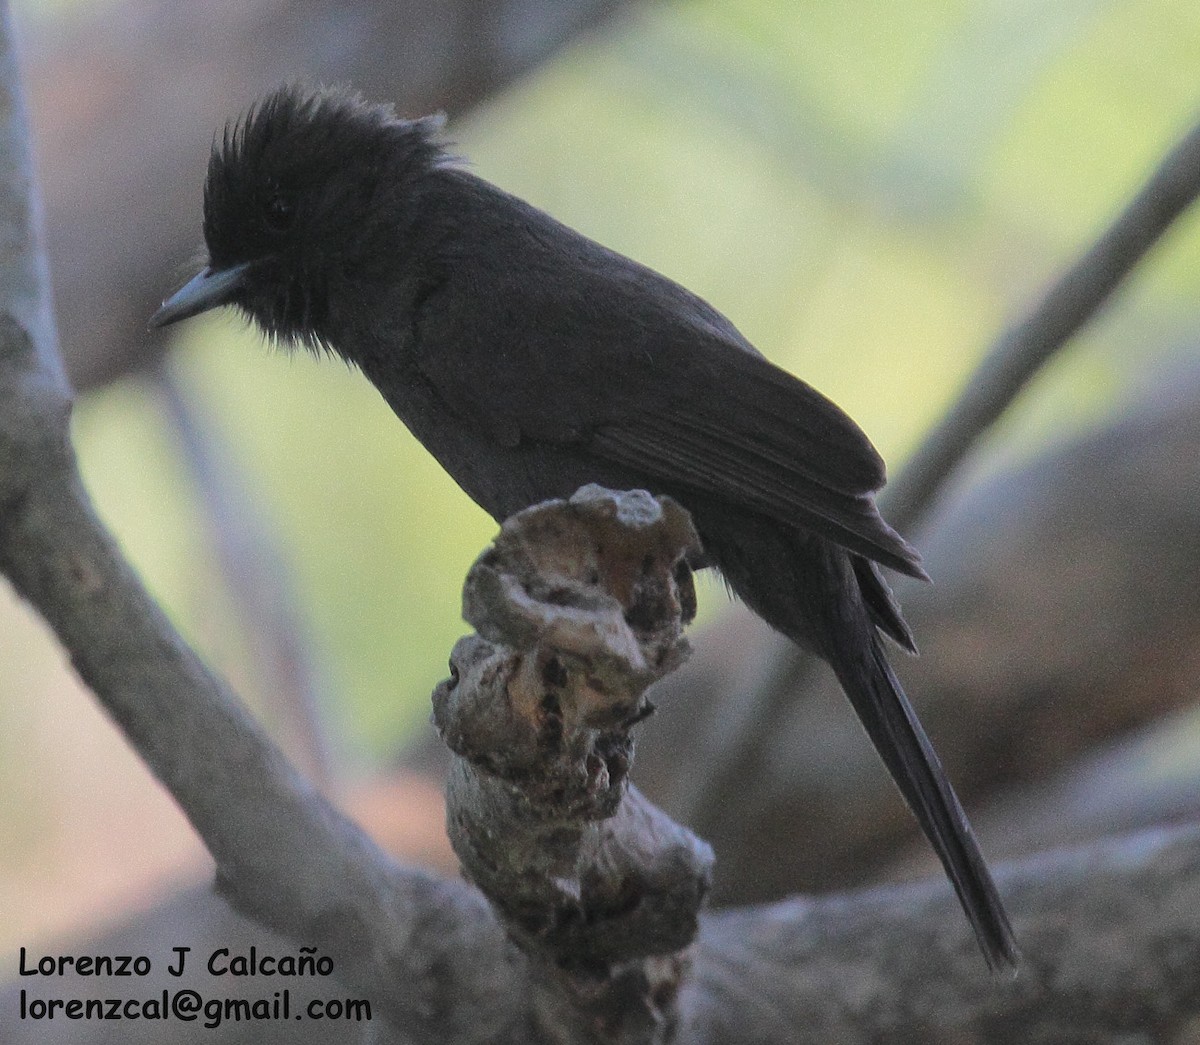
{"points": [[751, 433], [643, 374]]}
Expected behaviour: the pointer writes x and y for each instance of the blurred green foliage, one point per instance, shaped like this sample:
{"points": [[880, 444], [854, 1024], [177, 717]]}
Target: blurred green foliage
{"points": [[868, 189]]}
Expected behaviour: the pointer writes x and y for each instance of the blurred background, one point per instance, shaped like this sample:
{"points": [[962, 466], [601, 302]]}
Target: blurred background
{"points": [[869, 190]]}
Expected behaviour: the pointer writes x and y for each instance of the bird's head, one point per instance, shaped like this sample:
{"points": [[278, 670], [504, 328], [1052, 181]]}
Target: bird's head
{"points": [[289, 198]]}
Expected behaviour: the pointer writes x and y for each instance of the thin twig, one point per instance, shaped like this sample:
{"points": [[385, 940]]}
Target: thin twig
{"points": [[260, 581], [1024, 348], [740, 734]]}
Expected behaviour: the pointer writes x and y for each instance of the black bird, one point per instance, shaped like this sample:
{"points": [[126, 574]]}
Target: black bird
{"points": [[531, 360]]}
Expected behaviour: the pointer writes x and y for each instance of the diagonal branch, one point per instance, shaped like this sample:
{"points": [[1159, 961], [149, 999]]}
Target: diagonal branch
{"points": [[739, 735], [252, 562], [1024, 348]]}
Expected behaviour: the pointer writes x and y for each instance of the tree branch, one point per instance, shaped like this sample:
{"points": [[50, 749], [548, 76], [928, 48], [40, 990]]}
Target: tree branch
{"points": [[1110, 936], [580, 605], [1025, 347], [251, 559]]}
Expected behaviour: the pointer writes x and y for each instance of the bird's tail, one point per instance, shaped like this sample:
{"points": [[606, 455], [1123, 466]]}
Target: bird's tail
{"points": [[890, 722]]}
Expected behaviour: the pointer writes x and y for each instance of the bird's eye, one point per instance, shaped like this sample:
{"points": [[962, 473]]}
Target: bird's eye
{"points": [[280, 212]]}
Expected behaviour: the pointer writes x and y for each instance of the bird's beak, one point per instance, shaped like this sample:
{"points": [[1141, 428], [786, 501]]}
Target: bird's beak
{"points": [[207, 289]]}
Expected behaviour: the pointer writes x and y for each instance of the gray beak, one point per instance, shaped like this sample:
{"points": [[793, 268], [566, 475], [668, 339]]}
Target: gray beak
{"points": [[207, 289]]}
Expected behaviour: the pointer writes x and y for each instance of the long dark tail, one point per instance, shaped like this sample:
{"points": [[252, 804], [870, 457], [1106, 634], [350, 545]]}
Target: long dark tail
{"points": [[890, 722], [832, 602]]}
